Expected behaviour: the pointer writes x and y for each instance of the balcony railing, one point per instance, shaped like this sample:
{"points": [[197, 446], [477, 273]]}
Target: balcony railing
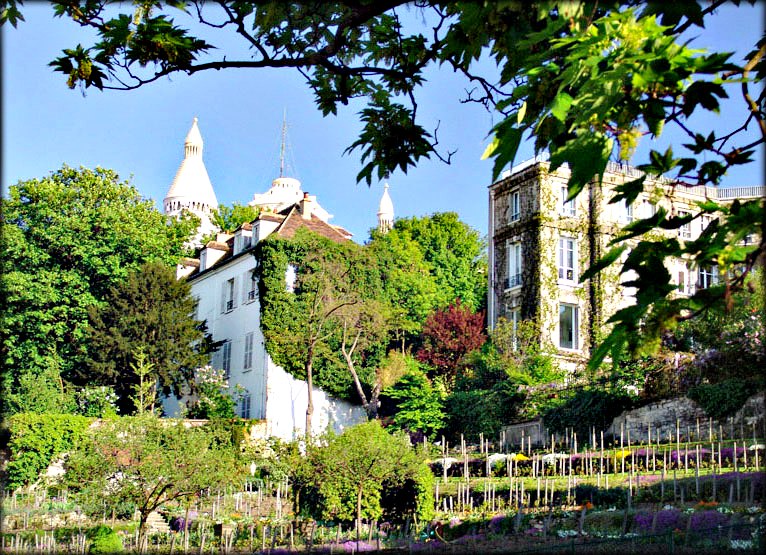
{"points": [[229, 305], [513, 281], [251, 295]]}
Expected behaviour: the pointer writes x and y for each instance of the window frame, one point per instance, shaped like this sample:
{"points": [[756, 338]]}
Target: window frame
{"points": [[247, 362], [226, 358], [514, 206], [567, 208], [562, 259], [514, 266], [575, 329]]}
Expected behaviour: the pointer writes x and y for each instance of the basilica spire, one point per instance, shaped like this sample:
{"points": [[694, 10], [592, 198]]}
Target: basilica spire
{"points": [[385, 212], [191, 189]]}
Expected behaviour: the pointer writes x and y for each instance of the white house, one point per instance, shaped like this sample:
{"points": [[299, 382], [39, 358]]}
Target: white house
{"points": [[222, 281]]}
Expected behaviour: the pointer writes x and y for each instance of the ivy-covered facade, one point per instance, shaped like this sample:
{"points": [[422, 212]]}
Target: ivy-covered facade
{"points": [[540, 244]]}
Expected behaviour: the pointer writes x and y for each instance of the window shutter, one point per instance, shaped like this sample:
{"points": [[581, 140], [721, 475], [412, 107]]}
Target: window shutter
{"points": [[224, 287], [234, 292]]}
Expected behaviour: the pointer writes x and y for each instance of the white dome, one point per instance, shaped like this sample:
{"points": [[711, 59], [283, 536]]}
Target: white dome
{"points": [[191, 186], [386, 207], [385, 211]]}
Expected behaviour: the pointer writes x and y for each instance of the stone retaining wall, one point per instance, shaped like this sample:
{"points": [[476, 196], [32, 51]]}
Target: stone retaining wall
{"points": [[665, 417], [684, 416]]}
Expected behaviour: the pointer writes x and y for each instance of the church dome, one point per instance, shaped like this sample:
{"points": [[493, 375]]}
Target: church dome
{"points": [[191, 187], [385, 211]]}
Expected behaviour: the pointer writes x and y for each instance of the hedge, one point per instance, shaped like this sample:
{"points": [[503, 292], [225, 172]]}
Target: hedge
{"points": [[35, 440]]}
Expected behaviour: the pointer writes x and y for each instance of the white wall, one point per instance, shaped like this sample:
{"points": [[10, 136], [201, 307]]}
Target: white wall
{"points": [[287, 399]]}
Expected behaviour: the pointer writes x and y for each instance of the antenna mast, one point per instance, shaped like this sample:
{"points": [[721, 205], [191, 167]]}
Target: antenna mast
{"points": [[282, 147]]}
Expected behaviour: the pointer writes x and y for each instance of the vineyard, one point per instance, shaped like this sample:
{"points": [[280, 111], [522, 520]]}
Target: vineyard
{"points": [[698, 490]]}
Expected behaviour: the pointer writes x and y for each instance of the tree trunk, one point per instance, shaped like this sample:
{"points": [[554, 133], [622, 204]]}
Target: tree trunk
{"points": [[372, 412], [358, 515], [142, 532], [310, 392]]}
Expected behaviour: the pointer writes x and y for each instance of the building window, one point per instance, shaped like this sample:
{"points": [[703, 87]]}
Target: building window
{"points": [[627, 212], [514, 266], [567, 208], [291, 275], [685, 231], [249, 286], [244, 406], [514, 207], [226, 359], [248, 362], [515, 318], [682, 282], [567, 259], [228, 296], [568, 326], [708, 277]]}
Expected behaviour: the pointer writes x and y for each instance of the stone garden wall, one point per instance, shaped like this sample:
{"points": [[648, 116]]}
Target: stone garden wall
{"points": [[691, 421]]}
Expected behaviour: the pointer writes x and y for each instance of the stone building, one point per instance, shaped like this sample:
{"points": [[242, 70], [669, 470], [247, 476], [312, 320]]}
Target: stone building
{"points": [[539, 244]]}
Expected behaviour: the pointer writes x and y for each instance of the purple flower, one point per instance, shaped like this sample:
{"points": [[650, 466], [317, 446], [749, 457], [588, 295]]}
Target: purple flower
{"points": [[496, 524], [352, 546], [704, 520]]}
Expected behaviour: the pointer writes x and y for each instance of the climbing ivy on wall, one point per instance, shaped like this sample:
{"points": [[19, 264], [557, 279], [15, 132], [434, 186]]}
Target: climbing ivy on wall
{"points": [[347, 278]]}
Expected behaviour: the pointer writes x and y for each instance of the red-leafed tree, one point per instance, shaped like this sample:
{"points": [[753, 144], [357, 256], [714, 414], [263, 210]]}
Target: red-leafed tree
{"points": [[448, 336]]}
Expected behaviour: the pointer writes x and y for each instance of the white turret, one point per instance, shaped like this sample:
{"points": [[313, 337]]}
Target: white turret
{"points": [[191, 188], [385, 212]]}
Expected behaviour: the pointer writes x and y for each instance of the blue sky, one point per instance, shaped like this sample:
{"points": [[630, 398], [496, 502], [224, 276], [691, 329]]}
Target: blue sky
{"points": [[140, 133]]}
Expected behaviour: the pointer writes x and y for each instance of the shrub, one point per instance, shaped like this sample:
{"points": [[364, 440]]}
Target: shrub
{"points": [[35, 441], [601, 497], [587, 408], [721, 399], [104, 540]]}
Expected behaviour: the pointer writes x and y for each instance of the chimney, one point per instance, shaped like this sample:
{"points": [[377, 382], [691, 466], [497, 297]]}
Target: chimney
{"points": [[306, 206]]}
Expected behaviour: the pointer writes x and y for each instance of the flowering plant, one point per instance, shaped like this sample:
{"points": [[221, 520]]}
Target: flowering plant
{"points": [[213, 399]]}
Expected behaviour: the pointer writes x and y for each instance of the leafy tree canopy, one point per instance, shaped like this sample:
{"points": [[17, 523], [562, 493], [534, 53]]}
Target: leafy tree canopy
{"points": [[229, 218], [426, 264], [150, 461], [448, 336], [67, 240], [149, 318], [344, 476], [584, 80]]}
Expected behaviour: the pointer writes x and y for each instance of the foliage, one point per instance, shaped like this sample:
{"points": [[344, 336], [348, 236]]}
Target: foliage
{"points": [[335, 291], [212, 399], [229, 218], [455, 254], [722, 399], [36, 440], [525, 359], [149, 315], [149, 462], [587, 408], [104, 540], [97, 401], [586, 81], [68, 238], [728, 343], [43, 392], [418, 406], [448, 336], [343, 476], [145, 390]]}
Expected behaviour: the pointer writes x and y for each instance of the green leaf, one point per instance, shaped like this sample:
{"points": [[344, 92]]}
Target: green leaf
{"points": [[587, 156], [560, 106], [603, 262]]}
